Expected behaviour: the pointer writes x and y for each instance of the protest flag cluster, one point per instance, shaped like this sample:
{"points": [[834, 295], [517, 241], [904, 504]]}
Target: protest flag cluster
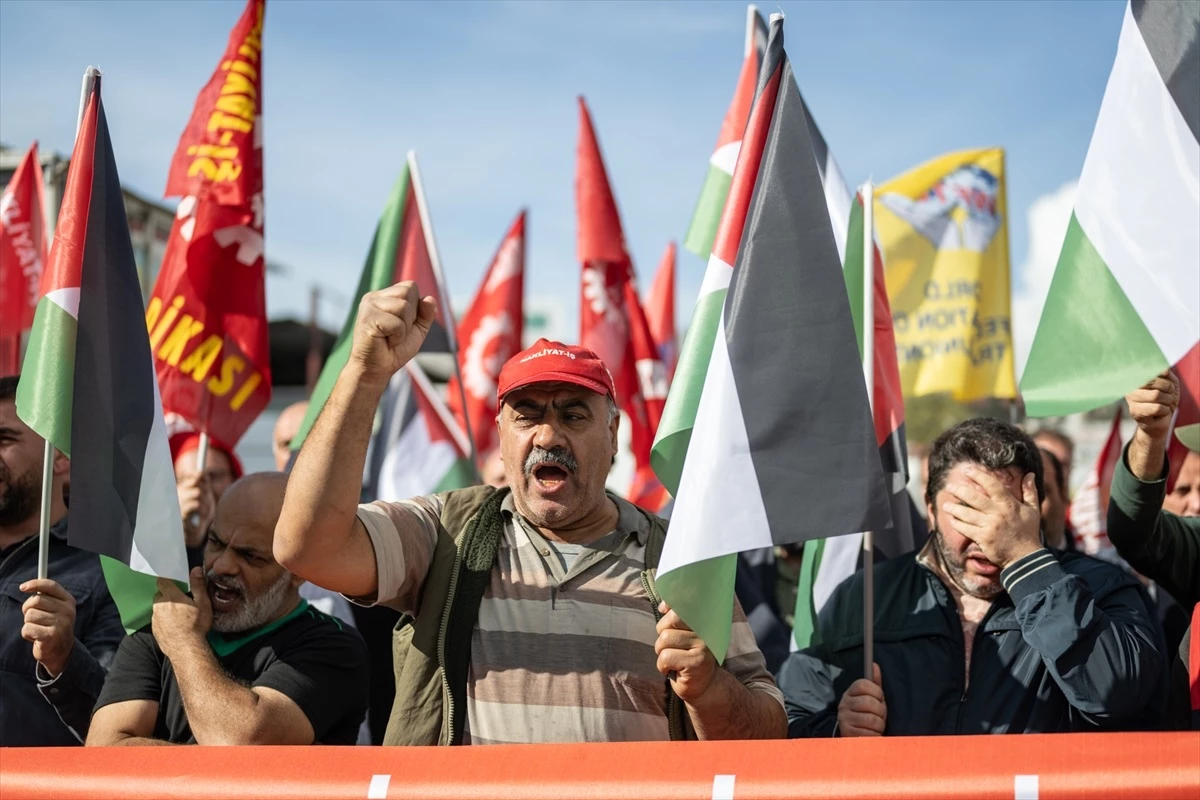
{"points": [[757, 431]]}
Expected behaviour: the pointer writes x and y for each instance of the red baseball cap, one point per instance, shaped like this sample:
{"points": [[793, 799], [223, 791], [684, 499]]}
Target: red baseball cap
{"points": [[555, 362]]}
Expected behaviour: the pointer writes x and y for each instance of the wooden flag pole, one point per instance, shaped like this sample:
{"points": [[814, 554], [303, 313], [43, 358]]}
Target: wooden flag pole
{"points": [[868, 341], [89, 81], [443, 298]]}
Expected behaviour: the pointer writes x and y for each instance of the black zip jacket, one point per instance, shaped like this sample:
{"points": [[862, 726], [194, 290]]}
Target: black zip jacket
{"points": [[1071, 646], [36, 710]]}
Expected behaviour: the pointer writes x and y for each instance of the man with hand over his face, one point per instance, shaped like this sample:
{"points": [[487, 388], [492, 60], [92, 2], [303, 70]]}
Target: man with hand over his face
{"points": [[244, 660], [531, 614], [986, 630]]}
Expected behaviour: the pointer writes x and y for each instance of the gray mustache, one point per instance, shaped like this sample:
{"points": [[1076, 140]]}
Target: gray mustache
{"points": [[559, 455]]}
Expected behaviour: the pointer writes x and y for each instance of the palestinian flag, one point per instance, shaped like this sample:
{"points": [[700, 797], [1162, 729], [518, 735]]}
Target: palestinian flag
{"points": [[679, 414], [89, 349], [789, 451], [400, 251], [705, 219], [415, 450], [1124, 303], [828, 562]]}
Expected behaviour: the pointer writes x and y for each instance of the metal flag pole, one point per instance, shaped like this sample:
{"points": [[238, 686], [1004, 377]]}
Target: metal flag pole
{"points": [[443, 298], [751, 14], [868, 340], [89, 81], [44, 523]]}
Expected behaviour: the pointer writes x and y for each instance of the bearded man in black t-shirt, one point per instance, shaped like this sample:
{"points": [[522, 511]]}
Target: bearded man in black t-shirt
{"points": [[244, 660]]}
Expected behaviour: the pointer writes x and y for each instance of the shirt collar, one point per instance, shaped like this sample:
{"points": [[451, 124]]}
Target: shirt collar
{"points": [[59, 529], [630, 519]]}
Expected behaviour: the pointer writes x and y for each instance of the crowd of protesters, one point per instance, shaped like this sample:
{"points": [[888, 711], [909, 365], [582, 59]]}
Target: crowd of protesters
{"points": [[525, 609]]}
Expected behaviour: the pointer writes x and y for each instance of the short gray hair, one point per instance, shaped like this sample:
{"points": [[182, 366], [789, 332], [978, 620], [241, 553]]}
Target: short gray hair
{"points": [[611, 408]]}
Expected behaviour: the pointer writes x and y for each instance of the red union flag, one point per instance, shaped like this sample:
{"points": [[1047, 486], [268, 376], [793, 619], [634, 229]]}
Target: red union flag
{"points": [[660, 311], [207, 315], [22, 254], [645, 406], [611, 321], [489, 335]]}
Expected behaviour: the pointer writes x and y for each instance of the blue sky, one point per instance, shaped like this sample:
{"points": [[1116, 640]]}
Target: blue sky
{"points": [[485, 93]]}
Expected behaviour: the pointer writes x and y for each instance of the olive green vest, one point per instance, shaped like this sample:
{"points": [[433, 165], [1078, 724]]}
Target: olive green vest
{"points": [[432, 652]]}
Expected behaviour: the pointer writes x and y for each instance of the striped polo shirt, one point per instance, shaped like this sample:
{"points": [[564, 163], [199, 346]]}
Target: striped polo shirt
{"points": [[558, 654]]}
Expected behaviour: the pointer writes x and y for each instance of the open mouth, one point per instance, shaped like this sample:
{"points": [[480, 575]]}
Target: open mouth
{"points": [[549, 476], [223, 598], [984, 566]]}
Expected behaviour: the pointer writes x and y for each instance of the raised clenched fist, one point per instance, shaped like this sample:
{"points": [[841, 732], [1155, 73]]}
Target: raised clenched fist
{"points": [[391, 327], [1152, 406]]}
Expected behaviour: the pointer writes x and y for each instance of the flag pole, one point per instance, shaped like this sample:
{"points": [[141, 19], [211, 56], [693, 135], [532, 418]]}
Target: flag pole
{"points": [[89, 81], [439, 406], [201, 463], [751, 14], [443, 299], [868, 341]]}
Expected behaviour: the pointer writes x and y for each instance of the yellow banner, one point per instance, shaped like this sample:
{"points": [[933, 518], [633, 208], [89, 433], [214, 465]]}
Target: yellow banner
{"points": [[943, 229]]}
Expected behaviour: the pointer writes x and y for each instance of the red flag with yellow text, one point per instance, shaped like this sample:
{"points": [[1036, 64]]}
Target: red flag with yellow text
{"points": [[207, 315], [22, 254]]}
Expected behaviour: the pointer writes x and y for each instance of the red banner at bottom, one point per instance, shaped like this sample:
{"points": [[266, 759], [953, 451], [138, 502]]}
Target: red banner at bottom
{"points": [[1146, 766]]}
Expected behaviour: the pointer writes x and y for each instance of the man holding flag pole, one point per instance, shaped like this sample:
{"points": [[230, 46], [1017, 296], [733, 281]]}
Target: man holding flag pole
{"points": [[89, 349]]}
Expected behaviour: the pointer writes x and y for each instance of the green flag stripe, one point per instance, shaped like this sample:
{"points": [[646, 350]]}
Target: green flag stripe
{"points": [[132, 592], [460, 475], [48, 378], [1091, 346], [804, 624], [377, 274], [693, 588], [679, 414], [703, 228], [852, 268]]}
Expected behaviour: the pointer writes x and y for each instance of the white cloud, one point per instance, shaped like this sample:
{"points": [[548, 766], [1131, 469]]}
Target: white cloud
{"points": [[1047, 220]]}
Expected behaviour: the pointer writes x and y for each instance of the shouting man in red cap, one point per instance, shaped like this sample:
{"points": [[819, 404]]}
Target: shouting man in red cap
{"points": [[530, 611]]}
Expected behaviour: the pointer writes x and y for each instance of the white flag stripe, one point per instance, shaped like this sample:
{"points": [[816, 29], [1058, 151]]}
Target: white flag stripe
{"points": [[717, 276], [725, 157], [719, 502], [158, 547], [67, 299], [415, 464], [839, 560], [837, 199], [1139, 196]]}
